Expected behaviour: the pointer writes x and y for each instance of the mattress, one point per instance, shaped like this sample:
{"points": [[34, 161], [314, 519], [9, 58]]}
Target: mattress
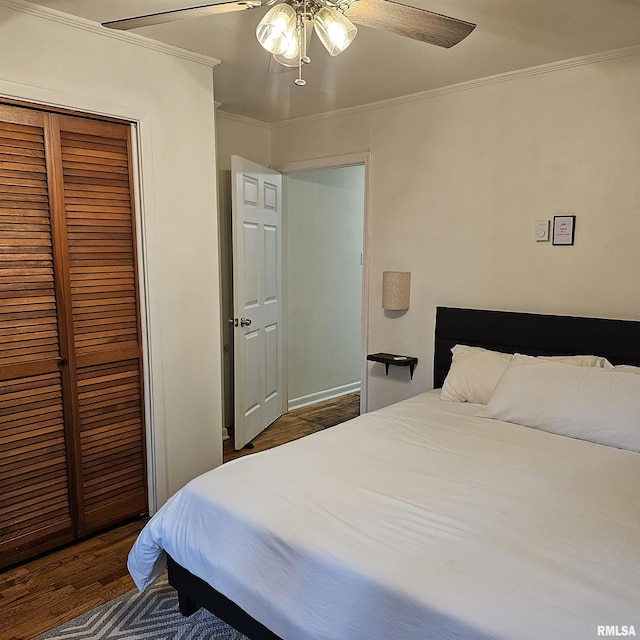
{"points": [[416, 521]]}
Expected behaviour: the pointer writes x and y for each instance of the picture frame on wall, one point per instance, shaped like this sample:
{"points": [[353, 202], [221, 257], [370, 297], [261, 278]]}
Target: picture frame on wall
{"points": [[564, 230]]}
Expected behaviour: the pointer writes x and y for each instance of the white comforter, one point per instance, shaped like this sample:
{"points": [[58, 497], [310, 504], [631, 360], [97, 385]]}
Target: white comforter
{"points": [[414, 522]]}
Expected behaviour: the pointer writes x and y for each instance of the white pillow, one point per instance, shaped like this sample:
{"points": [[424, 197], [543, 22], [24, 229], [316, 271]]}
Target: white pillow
{"points": [[580, 361], [474, 374], [627, 368], [589, 403]]}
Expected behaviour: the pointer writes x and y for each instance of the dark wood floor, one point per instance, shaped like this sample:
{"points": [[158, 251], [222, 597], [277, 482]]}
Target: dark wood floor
{"points": [[300, 422], [40, 594]]}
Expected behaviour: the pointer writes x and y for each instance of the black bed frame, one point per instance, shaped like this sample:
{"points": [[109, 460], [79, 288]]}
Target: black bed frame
{"points": [[506, 331], [194, 592]]}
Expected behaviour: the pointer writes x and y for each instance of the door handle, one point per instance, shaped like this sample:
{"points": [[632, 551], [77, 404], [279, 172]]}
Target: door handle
{"points": [[62, 363], [243, 322]]}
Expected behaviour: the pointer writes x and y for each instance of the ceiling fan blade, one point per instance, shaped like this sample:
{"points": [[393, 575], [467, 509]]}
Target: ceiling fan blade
{"points": [[410, 22], [182, 14]]}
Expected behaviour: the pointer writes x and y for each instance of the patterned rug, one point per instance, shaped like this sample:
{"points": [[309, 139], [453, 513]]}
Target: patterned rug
{"points": [[151, 615]]}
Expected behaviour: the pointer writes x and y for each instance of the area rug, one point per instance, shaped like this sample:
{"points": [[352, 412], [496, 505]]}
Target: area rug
{"points": [[151, 615]]}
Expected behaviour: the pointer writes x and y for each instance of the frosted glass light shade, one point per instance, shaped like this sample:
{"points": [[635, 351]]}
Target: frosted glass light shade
{"points": [[396, 290], [336, 32], [297, 47], [277, 30]]}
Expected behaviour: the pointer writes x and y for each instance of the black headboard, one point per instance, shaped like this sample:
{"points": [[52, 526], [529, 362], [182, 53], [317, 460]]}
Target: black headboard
{"points": [[532, 334]]}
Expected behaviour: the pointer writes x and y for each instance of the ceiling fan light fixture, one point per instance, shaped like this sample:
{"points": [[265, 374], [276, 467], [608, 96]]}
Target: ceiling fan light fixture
{"points": [[277, 30], [335, 30], [280, 31]]}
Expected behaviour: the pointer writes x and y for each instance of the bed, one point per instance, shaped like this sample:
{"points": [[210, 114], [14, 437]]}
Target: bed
{"points": [[424, 519]]}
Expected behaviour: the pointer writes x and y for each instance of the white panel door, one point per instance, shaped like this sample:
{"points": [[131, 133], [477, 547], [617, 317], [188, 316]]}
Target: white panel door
{"points": [[257, 297]]}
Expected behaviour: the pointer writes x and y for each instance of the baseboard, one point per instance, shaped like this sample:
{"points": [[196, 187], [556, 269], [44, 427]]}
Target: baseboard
{"points": [[328, 394]]}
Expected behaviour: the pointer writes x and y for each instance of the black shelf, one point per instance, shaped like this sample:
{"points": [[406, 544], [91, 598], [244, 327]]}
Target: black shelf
{"points": [[394, 359]]}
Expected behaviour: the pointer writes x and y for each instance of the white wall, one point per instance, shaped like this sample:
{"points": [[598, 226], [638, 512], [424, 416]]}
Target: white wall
{"points": [[51, 58], [324, 226], [457, 181], [239, 136]]}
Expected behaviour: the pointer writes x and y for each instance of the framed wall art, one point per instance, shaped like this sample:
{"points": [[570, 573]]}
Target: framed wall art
{"points": [[564, 228]]}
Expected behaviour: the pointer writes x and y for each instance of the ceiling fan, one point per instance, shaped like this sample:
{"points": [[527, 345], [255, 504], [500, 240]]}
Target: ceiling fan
{"points": [[285, 30]]}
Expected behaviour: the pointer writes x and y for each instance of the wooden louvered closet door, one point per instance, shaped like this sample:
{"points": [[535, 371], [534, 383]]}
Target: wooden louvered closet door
{"points": [[71, 401], [102, 291], [35, 507]]}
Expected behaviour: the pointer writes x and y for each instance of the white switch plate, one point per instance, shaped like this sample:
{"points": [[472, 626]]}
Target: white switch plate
{"points": [[542, 230]]}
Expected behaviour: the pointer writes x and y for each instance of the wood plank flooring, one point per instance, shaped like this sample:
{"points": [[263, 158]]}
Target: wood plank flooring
{"points": [[38, 595], [300, 422]]}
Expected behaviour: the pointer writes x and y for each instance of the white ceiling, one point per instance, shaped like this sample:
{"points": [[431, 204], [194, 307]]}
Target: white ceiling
{"points": [[511, 35]]}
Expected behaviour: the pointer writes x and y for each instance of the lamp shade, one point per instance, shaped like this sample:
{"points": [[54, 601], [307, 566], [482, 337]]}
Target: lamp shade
{"points": [[336, 31], [396, 290], [298, 46], [277, 30]]}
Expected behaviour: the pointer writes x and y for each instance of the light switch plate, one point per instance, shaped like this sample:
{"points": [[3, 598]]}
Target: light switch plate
{"points": [[542, 230]]}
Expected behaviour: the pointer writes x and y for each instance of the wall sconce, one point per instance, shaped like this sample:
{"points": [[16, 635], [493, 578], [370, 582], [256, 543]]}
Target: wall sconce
{"points": [[396, 290]]}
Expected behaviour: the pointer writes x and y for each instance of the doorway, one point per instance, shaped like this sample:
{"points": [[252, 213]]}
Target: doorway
{"points": [[323, 283], [310, 175]]}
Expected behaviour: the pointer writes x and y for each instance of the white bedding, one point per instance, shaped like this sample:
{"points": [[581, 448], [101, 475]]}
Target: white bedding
{"points": [[414, 522]]}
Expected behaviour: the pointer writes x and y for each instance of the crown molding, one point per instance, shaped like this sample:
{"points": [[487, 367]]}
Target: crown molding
{"points": [[508, 76], [52, 15], [242, 119]]}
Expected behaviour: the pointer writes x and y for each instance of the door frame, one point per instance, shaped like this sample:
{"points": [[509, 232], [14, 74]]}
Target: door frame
{"points": [[334, 162]]}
